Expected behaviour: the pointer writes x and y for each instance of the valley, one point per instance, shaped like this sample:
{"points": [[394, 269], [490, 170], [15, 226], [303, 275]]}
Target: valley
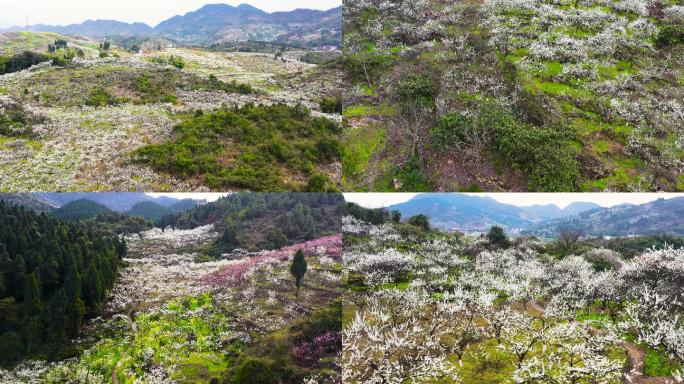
{"points": [[179, 312]]}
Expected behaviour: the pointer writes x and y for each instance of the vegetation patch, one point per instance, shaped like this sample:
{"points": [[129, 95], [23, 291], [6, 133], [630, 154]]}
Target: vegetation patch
{"points": [[254, 147]]}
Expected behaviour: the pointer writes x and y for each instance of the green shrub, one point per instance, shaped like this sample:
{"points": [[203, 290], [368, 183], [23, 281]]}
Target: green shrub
{"points": [[103, 55], [367, 62], [256, 371], [15, 121], [416, 90], [670, 36], [450, 128], [232, 87], [497, 237], [154, 89], [331, 104], [325, 320], [545, 154], [158, 60], [21, 61], [317, 183], [408, 230], [177, 62], [420, 221], [248, 147], [100, 97], [411, 176], [59, 61], [11, 121]]}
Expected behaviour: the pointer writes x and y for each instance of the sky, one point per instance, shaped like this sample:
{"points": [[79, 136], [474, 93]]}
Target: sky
{"points": [[377, 200], [152, 12]]}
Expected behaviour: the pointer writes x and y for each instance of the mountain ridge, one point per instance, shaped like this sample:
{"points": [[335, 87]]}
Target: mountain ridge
{"points": [[215, 23], [470, 213], [662, 216], [120, 202]]}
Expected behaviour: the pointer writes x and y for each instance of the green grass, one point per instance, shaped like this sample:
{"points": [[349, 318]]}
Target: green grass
{"points": [[368, 91], [551, 69], [595, 318], [658, 363], [586, 126], [402, 286], [611, 72], [600, 146], [562, 90], [369, 110], [497, 368], [359, 146]]}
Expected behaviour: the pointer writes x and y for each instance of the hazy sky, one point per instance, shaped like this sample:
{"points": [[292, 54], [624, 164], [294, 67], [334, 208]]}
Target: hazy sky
{"points": [[152, 12], [376, 200]]}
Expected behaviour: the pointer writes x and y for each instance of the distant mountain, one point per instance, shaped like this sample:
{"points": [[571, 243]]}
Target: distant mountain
{"points": [[120, 202], [149, 210], [216, 23], [81, 209], [455, 211], [654, 218], [450, 211], [94, 28], [28, 200], [183, 205], [544, 212], [551, 211], [579, 207]]}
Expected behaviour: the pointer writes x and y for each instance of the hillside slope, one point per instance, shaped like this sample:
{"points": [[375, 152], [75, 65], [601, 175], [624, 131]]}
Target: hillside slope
{"points": [[515, 95], [654, 218]]}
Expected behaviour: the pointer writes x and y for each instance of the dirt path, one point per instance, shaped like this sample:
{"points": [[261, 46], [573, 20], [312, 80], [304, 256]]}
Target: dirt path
{"points": [[637, 359], [538, 307], [117, 367]]}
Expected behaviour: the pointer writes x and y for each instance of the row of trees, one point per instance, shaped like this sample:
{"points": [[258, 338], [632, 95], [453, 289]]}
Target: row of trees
{"points": [[53, 274], [375, 216]]}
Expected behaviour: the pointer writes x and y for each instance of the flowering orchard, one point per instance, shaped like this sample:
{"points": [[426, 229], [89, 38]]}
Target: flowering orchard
{"points": [[592, 87], [174, 318], [456, 309], [81, 123]]}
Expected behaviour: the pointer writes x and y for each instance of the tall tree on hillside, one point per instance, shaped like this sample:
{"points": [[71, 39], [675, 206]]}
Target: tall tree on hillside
{"points": [[298, 268], [497, 237]]}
